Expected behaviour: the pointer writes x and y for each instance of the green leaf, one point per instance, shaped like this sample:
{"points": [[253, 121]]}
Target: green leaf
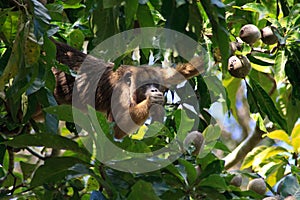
{"points": [[214, 181], [215, 11], [41, 19], [63, 112], [45, 140], [295, 137], [27, 169], [144, 16], [76, 39], [183, 124], [232, 84], [103, 23], [279, 66], [214, 167], [248, 160], [279, 135], [212, 133], [265, 155], [190, 171], [289, 186], [16, 56], [266, 105], [262, 10], [253, 105], [57, 168], [142, 190], [131, 7], [292, 70], [275, 173]]}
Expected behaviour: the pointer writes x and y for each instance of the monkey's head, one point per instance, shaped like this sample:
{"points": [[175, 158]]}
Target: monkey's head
{"points": [[145, 82]]}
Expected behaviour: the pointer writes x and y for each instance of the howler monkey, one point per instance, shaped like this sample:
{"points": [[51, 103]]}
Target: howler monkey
{"points": [[125, 95]]}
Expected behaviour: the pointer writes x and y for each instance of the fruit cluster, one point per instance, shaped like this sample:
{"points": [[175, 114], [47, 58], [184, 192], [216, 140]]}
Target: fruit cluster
{"points": [[238, 65]]}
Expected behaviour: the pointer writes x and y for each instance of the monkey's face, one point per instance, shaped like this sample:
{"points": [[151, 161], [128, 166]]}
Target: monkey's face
{"points": [[147, 83], [151, 91]]}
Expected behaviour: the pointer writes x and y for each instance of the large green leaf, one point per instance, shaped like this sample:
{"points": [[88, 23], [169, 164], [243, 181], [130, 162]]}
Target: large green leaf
{"points": [[183, 124], [215, 11], [232, 85], [41, 19], [190, 171], [17, 55], [292, 70], [63, 112], [266, 105], [248, 161], [279, 66], [144, 16], [142, 190], [214, 181], [290, 186], [45, 140], [56, 169], [131, 7]]}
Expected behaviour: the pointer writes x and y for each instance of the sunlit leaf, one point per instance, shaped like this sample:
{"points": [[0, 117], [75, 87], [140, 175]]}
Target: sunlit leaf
{"points": [[279, 66], [232, 86], [249, 159], [275, 173], [279, 135], [266, 154], [295, 137], [16, 55], [183, 124], [212, 133]]}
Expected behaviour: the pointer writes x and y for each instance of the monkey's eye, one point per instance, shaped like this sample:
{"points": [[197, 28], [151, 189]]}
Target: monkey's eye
{"points": [[156, 85], [127, 78]]}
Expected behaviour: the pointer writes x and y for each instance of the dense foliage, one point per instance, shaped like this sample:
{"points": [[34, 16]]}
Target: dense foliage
{"points": [[258, 138]]}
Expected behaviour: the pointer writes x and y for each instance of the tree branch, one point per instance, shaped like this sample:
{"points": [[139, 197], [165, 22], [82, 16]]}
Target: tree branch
{"points": [[244, 148]]}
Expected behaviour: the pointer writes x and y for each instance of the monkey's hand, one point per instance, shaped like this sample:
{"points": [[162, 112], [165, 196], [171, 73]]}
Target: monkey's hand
{"points": [[155, 97]]}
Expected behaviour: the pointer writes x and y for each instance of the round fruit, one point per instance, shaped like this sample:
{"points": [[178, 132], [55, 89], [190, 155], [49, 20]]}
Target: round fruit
{"points": [[236, 180], [198, 170], [271, 198], [267, 36], [257, 185], [250, 33], [290, 198], [193, 143], [239, 66]]}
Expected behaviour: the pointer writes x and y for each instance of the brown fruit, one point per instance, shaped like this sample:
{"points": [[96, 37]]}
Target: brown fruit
{"points": [[249, 33], [198, 170], [290, 198], [239, 66], [267, 36], [193, 143], [236, 180], [272, 198], [257, 185]]}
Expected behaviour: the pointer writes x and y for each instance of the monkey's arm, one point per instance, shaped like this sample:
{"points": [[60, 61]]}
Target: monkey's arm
{"points": [[183, 71]]}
